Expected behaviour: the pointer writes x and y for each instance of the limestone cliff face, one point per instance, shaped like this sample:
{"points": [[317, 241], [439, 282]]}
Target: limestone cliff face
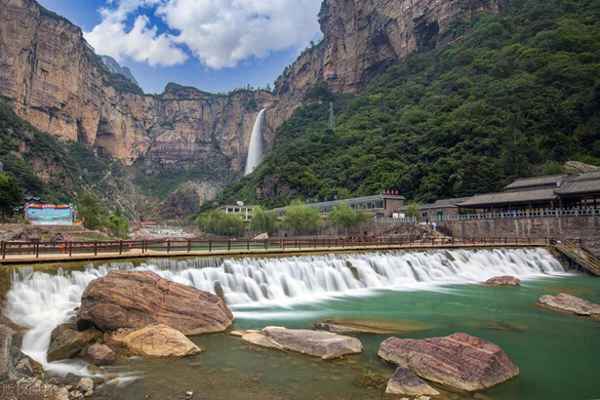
{"points": [[361, 37], [58, 84]]}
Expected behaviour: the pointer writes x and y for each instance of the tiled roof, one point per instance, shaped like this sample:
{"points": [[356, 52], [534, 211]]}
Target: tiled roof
{"points": [[583, 183], [549, 180], [509, 197]]}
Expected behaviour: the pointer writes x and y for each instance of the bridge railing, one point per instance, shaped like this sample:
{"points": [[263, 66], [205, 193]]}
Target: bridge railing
{"points": [[529, 213], [32, 249]]}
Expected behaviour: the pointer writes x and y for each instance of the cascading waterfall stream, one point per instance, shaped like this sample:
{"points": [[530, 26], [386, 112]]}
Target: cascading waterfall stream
{"points": [[42, 301], [255, 150]]}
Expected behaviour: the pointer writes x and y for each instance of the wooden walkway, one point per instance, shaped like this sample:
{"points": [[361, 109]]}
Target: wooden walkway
{"points": [[13, 253]]}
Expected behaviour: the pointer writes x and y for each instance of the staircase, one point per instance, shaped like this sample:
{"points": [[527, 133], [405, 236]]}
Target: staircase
{"points": [[581, 257]]}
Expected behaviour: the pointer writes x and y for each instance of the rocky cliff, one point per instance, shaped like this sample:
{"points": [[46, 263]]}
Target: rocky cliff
{"points": [[58, 84], [55, 81]]}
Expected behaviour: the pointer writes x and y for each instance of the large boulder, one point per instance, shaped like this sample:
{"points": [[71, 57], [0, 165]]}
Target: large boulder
{"points": [[326, 345], [156, 341], [67, 342], [134, 300], [405, 382], [370, 326], [503, 281], [570, 304], [458, 361], [100, 354]]}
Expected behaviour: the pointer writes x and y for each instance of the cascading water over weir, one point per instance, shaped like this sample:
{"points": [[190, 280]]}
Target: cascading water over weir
{"points": [[42, 301], [255, 150]]}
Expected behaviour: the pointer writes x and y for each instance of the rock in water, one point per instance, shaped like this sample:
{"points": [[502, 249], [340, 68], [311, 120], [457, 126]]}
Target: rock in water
{"points": [[157, 341], [459, 361], [66, 342], [100, 354], [405, 382], [571, 304], [326, 345], [134, 300], [503, 281]]}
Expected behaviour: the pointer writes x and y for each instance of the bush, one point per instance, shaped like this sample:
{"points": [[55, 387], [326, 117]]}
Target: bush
{"points": [[302, 219], [219, 223], [91, 211], [118, 225]]}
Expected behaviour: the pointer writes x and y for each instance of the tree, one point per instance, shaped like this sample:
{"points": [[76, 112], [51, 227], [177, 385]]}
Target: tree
{"points": [[302, 219], [412, 210], [91, 211], [11, 195], [219, 223], [118, 225], [343, 216], [263, 221]]}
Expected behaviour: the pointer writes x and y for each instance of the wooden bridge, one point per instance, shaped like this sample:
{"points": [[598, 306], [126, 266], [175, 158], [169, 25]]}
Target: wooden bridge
{"points": [[50, 252]]}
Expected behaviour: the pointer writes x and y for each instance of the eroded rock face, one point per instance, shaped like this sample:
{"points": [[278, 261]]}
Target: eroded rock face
{"points": [[157, 341], [458, 361], [405, 382], [503, 281], [67, 342], [325, 345], [571, 304], [134, 300]]}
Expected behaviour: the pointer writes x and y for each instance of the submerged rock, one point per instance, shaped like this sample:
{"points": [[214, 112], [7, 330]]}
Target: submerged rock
{"points": [[326, 345], [374, 327], [157, 341], [458, 361], [100, 354], [67, 342], [405, 382], [503, 281], [571, 304], [134, 300]]}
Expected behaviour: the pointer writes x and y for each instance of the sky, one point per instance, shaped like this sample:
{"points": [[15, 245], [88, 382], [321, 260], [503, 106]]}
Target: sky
{"points": [[214, 45]]}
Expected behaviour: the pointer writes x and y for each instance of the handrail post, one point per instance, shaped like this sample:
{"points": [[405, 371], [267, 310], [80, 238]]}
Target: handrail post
{"points": [[144, 246], [210, 246], [168, 246], [189, 246], [247, 244], [95, 248], [229, 245], [37, 250], [120, 247], [3, 250]]}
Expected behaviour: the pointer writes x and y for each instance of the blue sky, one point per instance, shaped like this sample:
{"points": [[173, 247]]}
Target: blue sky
{"points": [[214, 45]]}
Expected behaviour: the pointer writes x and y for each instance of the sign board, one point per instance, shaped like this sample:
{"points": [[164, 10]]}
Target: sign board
{"points": [[49, 214]]}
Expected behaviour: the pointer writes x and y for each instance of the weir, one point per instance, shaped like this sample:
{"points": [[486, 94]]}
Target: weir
{"points": [[42, 301], [255, 149]]}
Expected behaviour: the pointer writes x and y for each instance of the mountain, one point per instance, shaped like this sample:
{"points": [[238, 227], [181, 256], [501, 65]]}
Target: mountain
{"points": [[113, 66], [510, 94]]}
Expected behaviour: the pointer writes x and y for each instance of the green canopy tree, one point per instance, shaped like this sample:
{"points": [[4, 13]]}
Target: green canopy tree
{"points": [[91, 211], [219, 223], [11, 195], [263, 221], [302, 219], [344, 217], [118, 225]]}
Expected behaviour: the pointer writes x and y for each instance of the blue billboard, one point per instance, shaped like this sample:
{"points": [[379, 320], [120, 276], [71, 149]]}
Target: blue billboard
{"points": [[46, 214]]}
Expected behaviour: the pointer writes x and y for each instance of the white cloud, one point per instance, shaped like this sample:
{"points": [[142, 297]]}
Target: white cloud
{"points": [[141, 43], [220, 33]]}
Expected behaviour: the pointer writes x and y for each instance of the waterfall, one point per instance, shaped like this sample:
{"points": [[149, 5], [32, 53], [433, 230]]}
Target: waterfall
{"points": [[255, 150], [42, 301]]}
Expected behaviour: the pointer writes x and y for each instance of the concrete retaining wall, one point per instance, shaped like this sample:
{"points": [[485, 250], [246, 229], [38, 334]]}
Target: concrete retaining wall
{"points": [[586, 228]]}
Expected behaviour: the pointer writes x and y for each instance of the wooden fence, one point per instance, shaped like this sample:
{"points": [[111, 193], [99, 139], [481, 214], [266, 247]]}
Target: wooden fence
{"points": [[191, 246]]}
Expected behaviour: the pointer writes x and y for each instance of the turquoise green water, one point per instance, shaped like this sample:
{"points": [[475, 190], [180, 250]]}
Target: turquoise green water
{"points": [[559, 355]]}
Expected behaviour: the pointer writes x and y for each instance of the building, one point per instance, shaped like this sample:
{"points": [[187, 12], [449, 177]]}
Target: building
{"points": [[441, 209], [381, 205], [545, 192], [243, 211]]}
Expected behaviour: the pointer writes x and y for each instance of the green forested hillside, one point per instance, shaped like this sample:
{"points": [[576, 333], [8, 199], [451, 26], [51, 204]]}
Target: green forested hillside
{"points": [[512, 95]]}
